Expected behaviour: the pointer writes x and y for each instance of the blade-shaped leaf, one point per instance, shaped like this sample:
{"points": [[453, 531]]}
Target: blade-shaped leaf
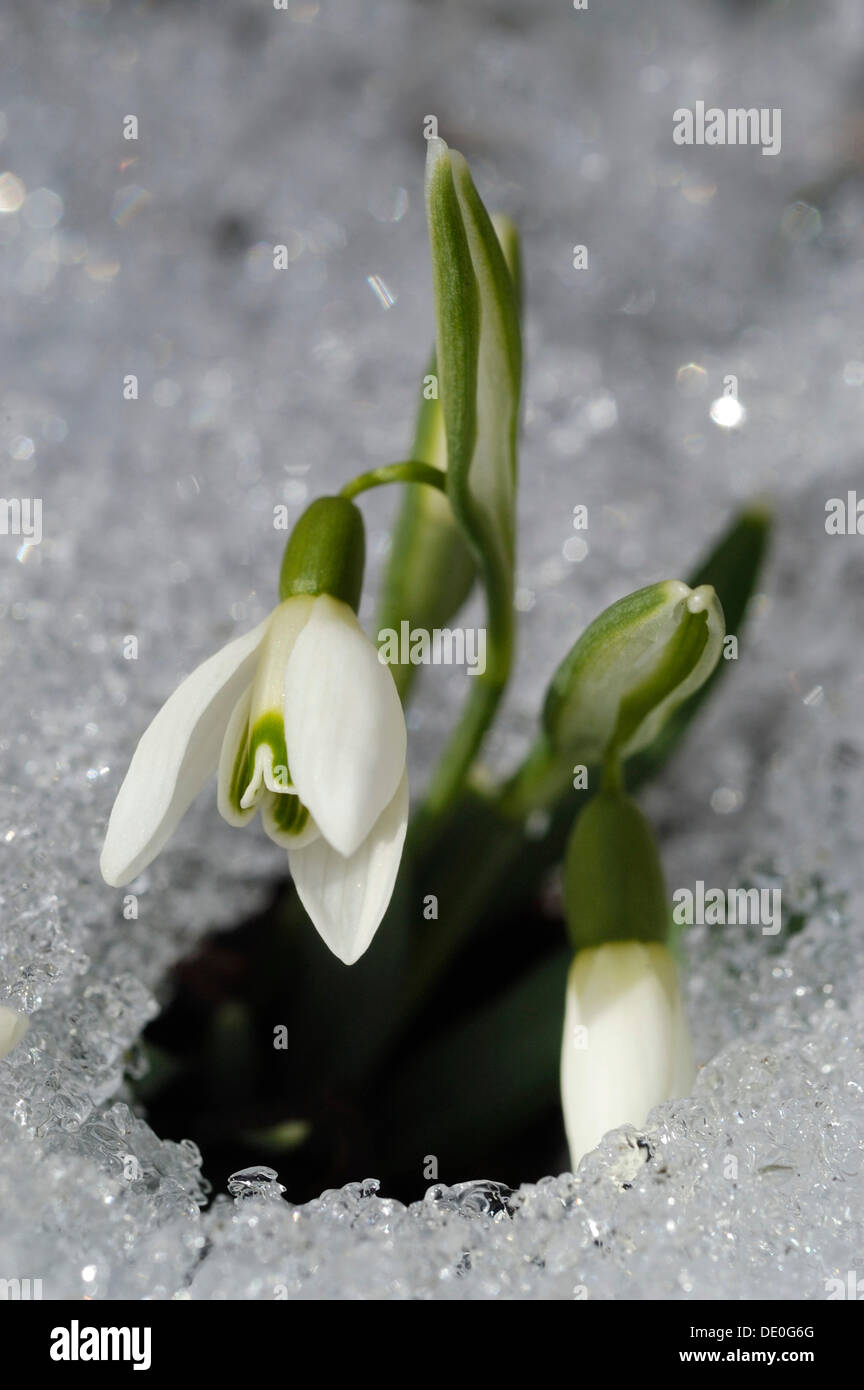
{"points": [[479, 363], [431, 570]]}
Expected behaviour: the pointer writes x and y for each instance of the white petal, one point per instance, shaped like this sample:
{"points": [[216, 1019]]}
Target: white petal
{"points": [[174, 758], [625, 1046], [286, 623], [346, 898], [344, 726], [13, 1026]]}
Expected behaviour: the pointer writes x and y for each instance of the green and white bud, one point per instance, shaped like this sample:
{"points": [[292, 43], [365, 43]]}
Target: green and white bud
{"points": [[631, 668], [626, 1046]]}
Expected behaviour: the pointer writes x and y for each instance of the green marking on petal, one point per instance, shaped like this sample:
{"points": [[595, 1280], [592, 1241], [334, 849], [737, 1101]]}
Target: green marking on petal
{"points": [[288, 813], [234, 766], [286, 820], [269, 730], [240, 773]]}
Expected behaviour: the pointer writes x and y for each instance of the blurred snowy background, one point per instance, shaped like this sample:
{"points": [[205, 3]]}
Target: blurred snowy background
{"points": [[153, 257]]}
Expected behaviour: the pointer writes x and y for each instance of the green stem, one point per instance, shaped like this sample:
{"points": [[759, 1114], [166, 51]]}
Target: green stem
{"points": [[409, 471], [479, 709], [539, 782], [459, 754], [613, 775]]}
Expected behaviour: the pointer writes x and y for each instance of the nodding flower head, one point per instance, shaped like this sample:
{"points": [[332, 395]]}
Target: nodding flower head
{"points": [[302, 721]]}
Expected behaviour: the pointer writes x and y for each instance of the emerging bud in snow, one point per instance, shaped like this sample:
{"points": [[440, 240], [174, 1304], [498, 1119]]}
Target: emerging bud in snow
{"points": [[626, 1044], [13, 1026], [302, 719]]}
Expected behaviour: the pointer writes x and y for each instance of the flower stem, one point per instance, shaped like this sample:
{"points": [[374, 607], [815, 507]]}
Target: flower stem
{"points": [[459, 754], [479, 709], [409, 471], [613, 775], [536, 785]]}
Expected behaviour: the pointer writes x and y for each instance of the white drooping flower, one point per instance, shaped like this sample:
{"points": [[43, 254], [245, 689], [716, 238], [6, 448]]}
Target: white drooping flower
{"points": [[626, 1043], [303, 720], [13, 1026]]}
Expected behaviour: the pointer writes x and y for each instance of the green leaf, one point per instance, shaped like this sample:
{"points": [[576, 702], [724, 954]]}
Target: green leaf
{"points": [[431, 570], [508, 237], [479, 369], [479, 375], [631, 668]]}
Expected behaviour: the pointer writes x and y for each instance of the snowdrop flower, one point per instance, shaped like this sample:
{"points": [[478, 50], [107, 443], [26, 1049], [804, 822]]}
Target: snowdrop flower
{"points": [[13, 1026], [626, 1046], [626, 1043], [304, 722]]}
